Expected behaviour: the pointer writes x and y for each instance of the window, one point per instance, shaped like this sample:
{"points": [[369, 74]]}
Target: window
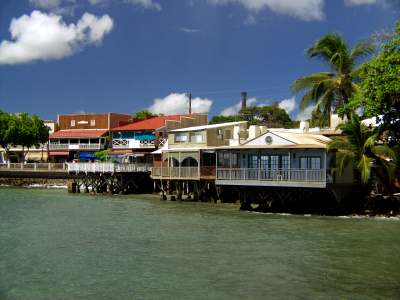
{"points": [[264, 160], [92, 122], [235, 160], [227, 134], [196, 137], [181, 137], [284, 162], [253, 161], [312, 162], [274, 162], [220, 135], [224, 159], [72, 123]]}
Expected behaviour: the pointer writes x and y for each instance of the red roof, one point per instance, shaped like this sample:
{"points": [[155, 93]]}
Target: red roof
{"points": [[88, 133], [149, 124]]}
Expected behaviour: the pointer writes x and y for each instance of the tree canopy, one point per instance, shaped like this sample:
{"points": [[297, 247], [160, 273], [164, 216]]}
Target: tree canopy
{"points": [[22, 130], [332, 88], [380, 86], [143, 115], [271, 116]]}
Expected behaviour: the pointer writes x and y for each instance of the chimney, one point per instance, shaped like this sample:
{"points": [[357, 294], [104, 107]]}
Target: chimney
{"points": [[189, 95], [244, 99]]}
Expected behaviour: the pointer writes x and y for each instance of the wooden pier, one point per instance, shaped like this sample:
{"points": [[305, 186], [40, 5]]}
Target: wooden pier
{"points": [[112, 178]]}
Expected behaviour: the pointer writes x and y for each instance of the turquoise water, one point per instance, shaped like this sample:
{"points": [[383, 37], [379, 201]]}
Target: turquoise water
{"points": [[59, 246]]}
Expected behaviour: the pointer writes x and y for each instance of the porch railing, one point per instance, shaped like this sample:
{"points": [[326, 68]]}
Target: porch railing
{"points": [[54, 146], [176, 172], [107, 168], [60, 167], [302, 175]]}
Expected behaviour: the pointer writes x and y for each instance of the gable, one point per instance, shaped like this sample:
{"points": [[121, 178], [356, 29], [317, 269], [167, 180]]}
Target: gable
{"points": [[273, 138]]}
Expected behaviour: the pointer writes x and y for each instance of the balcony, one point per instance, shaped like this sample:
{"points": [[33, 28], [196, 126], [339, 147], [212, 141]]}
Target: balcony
{"points": [[189, 173], [107, 167], [132, 144], [278, 177], [55, 146]]}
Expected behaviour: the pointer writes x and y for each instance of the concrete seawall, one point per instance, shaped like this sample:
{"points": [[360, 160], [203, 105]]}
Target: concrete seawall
{"points": [[29, 178]]}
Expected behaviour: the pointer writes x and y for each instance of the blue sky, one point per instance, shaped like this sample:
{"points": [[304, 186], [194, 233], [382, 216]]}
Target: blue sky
{"points": [[68, 56]]}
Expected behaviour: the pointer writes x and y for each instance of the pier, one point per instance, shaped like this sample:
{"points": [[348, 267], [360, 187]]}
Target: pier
{"points": [[111, 178]]}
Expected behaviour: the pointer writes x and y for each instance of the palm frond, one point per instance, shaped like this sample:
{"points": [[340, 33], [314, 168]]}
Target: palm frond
{"points": [[370, 141], [343, 159], [308, 81], [364, 166], [384, 152], [361, 50], [332, 49]]}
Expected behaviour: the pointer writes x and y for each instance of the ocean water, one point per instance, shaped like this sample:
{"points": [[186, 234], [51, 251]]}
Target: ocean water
{"points": [[54, 245]]}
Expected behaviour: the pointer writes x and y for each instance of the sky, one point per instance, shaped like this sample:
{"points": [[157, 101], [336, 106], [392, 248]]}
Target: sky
{"points": [[71, 56]]}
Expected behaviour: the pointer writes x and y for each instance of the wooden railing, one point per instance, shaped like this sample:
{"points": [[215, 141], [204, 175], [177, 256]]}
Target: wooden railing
{"points": [[107, 167], [176, 172], [94, 146], [298, 175], [56, 167]]}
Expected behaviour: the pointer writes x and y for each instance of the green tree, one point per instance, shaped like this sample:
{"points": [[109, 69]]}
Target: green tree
{"points": [[271, 116], [318, 119], [143, 115], [335, 87], [225, 119], [103, 155], [4, 135], [359, 146], [26, 133], [21, 130], [380, 87]]}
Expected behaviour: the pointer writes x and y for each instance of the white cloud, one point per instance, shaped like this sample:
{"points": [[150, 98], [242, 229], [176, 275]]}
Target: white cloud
{"points": [[149, 4], [250, 20], [46, 4], [42, 36], [359, 2], [65, 5], [188, 30], [305, 114], [303, 9], [288, 104], [178, 104], [234, 109]]}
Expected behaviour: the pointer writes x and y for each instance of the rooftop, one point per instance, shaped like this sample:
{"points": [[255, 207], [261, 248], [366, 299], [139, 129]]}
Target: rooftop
{"points": [[79, 133], [149, 124], [202, 127]]}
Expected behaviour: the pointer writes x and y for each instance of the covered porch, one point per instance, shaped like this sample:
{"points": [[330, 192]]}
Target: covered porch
{"points": [[272, 167], [193, 165]]}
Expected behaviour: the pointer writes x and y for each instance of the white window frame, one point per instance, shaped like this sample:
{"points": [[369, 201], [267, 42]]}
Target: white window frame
{"points": [[181, 137]]}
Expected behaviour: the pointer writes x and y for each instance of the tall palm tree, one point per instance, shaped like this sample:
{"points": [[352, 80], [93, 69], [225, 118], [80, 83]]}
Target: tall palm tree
{"points": [[335, 87], [359, 146]]}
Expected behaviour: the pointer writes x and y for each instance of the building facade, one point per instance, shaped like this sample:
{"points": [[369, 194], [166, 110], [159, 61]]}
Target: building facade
{"points": [[135, 142], [80, 136]]}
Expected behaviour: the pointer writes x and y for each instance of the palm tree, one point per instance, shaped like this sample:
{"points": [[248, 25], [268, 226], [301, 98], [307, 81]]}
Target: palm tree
{"points": [[359, 146], [333, 88]]}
